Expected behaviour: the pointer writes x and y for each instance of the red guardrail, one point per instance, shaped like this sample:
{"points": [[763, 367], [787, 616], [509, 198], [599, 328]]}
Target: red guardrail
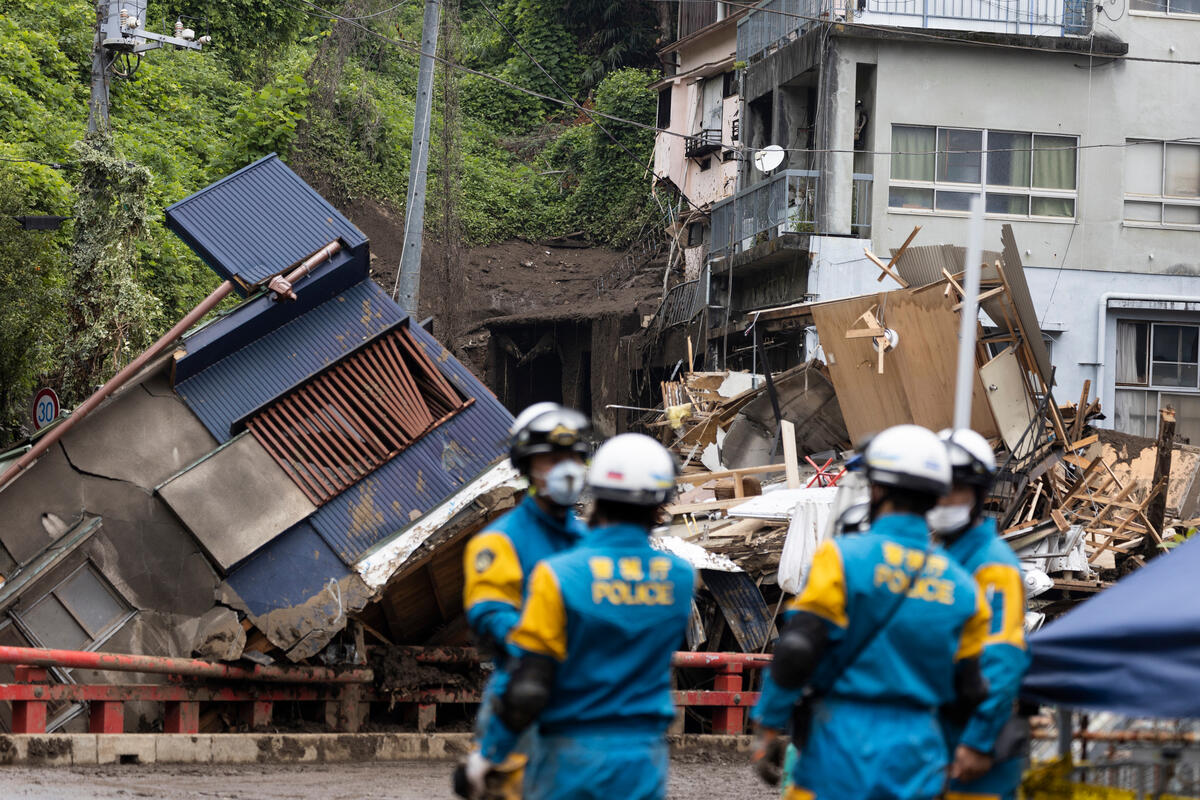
{"points": [[256, 689]]}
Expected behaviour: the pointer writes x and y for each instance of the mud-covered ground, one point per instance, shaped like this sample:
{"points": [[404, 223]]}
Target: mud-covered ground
{"points": [[428, 780]]}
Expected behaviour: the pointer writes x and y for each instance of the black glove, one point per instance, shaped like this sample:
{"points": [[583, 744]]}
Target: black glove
{"points": [[769, 748]]}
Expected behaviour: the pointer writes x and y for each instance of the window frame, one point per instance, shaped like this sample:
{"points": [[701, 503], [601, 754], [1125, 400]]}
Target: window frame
{"points": [[1147, 12], [984, 187], [1162, 199], [94, 640]]}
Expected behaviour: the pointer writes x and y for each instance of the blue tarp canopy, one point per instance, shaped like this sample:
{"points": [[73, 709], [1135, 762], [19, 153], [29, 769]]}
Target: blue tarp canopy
{"points": [[1133, 649]]}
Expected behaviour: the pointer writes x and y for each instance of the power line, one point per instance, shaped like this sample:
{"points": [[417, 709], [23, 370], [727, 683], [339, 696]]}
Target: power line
{"points": [[934, 36], [51, 164]]}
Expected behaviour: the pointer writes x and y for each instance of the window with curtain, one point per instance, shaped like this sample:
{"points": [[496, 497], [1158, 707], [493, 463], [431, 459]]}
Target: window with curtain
{"points": [[1157, 366], [1133, 337], [1162, 183], [1020, 174]]}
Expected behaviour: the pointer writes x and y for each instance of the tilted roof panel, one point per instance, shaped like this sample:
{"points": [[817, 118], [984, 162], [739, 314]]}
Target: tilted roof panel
{"points": [[258, 222]]}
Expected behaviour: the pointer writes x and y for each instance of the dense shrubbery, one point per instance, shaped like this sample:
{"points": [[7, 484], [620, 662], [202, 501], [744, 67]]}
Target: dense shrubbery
{"points": [[332, 99]]}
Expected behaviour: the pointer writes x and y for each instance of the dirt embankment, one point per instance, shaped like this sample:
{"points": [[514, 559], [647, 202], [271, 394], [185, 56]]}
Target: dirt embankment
{"points": [[462, 287]]}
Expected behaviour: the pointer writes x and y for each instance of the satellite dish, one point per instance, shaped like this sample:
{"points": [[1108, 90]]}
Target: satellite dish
{"points": [[768, 158]]}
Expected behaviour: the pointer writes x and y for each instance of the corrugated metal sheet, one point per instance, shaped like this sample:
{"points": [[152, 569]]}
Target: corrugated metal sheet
{"points": [[258, 222], [258, 316], [921, 266], [425, 474], [742, 603], [286, 572], [1018, 288], [270, 365]]}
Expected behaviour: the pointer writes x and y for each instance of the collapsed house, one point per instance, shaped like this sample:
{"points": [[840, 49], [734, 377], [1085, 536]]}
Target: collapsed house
{"points": [[1076, 502], [281, 466]]}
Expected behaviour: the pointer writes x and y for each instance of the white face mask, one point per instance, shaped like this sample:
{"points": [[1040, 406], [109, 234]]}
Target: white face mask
{"points": [[949, 519], [564, 482]]}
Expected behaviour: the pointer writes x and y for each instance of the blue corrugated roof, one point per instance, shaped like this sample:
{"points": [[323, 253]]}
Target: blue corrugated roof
{"points": [[418, 479], [270, 365], [286, 571], [260, 315], [260, 221]]}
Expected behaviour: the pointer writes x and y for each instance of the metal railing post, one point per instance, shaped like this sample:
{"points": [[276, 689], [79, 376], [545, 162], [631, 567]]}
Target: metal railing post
{"points": [[181, 717], [106, 716], [29, 716], [729, 720]]}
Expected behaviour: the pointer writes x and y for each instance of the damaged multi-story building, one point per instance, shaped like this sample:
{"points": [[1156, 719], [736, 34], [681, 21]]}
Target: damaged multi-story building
{"points": [[1069, 119], [280, 466]]}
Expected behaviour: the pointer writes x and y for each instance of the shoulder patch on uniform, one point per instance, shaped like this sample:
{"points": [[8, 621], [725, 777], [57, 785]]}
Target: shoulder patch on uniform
{"points": [[484, 559]]}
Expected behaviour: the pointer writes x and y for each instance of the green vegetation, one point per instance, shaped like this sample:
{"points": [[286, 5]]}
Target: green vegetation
{"points": [[336, 102]]}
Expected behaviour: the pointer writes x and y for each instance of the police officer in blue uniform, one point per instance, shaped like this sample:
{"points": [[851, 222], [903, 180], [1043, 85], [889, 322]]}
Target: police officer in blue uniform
{"points": [[548, 444], [593, 647], [887, 630], [988, 755]]}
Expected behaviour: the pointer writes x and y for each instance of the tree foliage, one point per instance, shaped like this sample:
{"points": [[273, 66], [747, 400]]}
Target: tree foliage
{"points": [[111, 317], [334, 101]]}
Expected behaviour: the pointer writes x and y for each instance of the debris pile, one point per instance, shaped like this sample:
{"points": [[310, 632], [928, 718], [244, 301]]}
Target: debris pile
{"points": [[1079, 504]]}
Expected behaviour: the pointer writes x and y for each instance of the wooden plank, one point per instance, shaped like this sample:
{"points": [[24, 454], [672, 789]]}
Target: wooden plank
{"points": [[711, 505], [990, 293], [1082, 443], [1060, 521], [788, 432], [697, 478], [895, 259], [1077, 424], [875, 260]]}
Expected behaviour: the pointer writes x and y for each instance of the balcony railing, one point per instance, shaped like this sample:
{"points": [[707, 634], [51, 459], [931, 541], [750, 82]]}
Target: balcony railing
{"points": [[784, 203], [702, 143], [773, 23]]}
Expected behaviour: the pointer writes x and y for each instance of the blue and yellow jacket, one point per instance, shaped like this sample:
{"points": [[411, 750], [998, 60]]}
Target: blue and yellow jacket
{"points": [[853, 585], [611, 612], [498, 560], [1005, 658]]}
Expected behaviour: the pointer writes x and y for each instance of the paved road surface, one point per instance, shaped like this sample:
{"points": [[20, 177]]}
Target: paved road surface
{"points": [[691, 780]]}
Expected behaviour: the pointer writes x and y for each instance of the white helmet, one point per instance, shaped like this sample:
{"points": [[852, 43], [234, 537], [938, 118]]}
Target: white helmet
{"points": [[632, 468], [908, 457], [972, 461]]}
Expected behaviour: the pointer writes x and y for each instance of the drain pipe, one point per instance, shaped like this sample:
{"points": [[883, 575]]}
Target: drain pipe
{"points": [[1102, 323], [158, 348]]}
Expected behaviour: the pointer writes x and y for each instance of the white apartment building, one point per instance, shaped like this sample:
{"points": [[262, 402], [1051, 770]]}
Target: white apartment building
{"points": [[1075, 122]]}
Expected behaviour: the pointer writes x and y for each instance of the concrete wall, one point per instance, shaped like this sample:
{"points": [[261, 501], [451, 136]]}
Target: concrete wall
{"points": [[1044, 93], [1071, 264], [109, 467], [705, 56]]}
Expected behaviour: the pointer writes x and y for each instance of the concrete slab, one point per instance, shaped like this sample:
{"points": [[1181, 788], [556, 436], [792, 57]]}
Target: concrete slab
{"points": [[66, 749], [140, 438], [236, 501], [183, 748], [236, 748], [126, 748], [84, 749]]}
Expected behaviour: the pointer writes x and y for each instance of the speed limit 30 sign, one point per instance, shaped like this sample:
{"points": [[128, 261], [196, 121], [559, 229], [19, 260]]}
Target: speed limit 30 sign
{"points": [[45, 408]]}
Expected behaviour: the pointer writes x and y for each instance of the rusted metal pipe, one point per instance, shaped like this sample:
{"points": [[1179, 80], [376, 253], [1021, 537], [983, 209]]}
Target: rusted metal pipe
{"points": [[466, 655], [115, 382], [282, 286], [718, 660], [191, 667]]}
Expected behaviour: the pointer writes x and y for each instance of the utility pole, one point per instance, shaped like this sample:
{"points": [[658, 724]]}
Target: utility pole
{"points": [[98, 104], [408, 279]]}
